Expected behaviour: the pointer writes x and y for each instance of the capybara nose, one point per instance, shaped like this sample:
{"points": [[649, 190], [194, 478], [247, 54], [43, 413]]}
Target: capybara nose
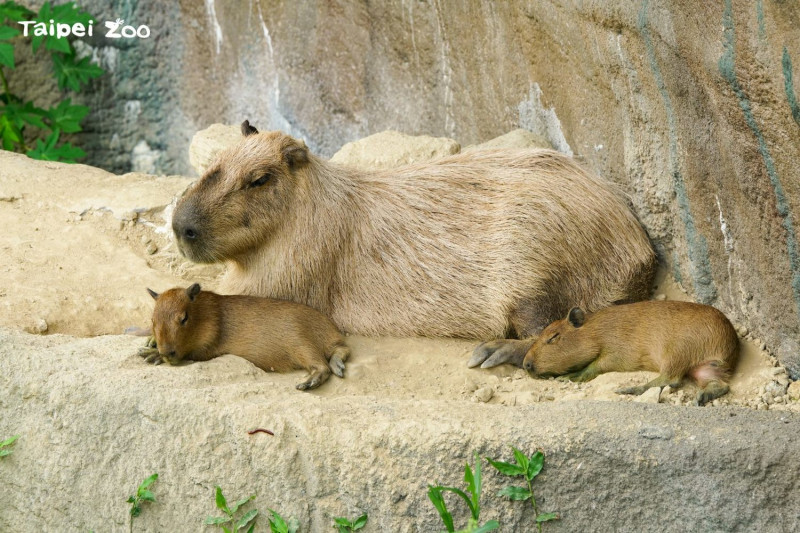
{"points": [[184, 230], [528, 366], [184, 222]]}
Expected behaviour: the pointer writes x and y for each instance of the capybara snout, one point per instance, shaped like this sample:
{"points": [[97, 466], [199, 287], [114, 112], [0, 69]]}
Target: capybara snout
{"points": [[676, 339]]}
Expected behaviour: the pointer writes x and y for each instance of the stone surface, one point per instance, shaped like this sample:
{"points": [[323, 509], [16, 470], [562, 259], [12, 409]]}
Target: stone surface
{"points": [[95, 420], [651, 395], [207, 143], [72, 256], [390, 149], [517, 138]]}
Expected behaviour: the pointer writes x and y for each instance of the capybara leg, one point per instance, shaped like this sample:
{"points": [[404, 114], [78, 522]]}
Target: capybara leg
{"points": [[712, 391], [150, 352], [493, 353], [660, 382], [319, 375], [338, 357], [588, 373]]}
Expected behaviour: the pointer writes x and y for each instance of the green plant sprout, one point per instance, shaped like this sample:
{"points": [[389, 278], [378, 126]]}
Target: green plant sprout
{"points": [[230, 512], [349, 526], [473, 481], [277, 524], [143, 494], [4, 446], [18, 114], [529, 468]]}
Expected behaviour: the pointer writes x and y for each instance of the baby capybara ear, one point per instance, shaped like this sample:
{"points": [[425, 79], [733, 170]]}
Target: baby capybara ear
{"points": [[295, 152], [193, 291], [576, 317], [152, 293], [247, 129]]}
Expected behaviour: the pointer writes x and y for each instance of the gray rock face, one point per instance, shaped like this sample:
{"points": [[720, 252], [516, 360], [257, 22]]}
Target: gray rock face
{"points": [[95, 420]]}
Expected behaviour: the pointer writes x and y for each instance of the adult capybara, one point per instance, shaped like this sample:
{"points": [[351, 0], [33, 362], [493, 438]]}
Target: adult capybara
{"points": [[676, 339], [274, 335], [484, 244]]}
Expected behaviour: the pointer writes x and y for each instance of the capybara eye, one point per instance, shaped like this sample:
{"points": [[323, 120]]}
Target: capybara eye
{"points": [[552, 339], [261, 181], [184, 318]]}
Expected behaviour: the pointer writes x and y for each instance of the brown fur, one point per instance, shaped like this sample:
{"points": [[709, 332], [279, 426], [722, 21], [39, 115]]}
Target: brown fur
{"points": [[676, 339], [477, 245], [274, 335]]}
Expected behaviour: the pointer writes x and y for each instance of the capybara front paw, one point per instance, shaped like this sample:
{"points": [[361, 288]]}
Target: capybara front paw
{"points": [[150, 355], [317, 378], [493, 353]]}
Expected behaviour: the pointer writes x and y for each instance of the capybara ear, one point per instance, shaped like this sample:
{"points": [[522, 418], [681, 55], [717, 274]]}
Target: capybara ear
{"points": [[193, 291], [247, 129], [295, 153], [152, 293], [576, 317]]}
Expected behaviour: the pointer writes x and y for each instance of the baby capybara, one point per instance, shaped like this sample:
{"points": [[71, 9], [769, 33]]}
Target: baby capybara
{"points": [[676, 339], [274, 335]]}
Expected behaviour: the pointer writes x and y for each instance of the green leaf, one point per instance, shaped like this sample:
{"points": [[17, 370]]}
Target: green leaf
{"points": [[14, 12], [7, 55], [506, 468], [294, 525], [252, 527], [64, 13], [522, 459], [47, 150], [216, 520], [146, 495], [72, 73], [243, 521], [491, 525], [7, 32], [241, 502], [515, 493], [360, 522], [464, 496], [149, 481], [25, 113], [3, 453], [341, 521], [9, 133], [222, 503], [535, 466], [546, 517], [435, 496], [136, 510], [131, 499], [473, 482], [9, 441], [277, 524]]}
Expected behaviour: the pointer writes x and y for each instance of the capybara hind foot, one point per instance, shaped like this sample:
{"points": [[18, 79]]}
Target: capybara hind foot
{"points": [[318, 377], [339, 356], [711, 392], [493, 353]]}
